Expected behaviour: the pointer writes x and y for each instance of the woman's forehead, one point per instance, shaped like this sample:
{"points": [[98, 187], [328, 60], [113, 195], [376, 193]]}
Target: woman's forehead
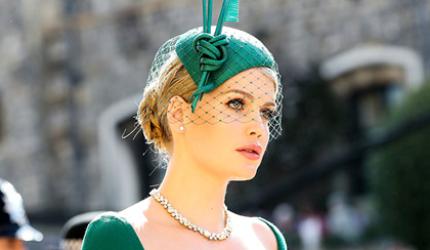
{"points": [[255, 81]]}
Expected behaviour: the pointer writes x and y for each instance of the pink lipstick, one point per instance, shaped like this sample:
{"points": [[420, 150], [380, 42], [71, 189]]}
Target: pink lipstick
{"points": [[252, 151]]}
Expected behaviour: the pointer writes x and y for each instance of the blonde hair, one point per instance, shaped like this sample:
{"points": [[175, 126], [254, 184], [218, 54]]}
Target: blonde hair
{"points": [[174, 80]]}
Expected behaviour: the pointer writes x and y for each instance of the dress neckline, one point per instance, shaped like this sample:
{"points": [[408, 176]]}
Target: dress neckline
{"points": [[136, 236]]}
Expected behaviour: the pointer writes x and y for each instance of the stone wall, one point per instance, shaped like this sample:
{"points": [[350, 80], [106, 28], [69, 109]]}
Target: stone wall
{"points": [[61, 67]]}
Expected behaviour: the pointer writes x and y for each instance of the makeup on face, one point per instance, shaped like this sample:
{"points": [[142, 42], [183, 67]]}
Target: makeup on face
{"points": [[251, 151], [242, 101]]}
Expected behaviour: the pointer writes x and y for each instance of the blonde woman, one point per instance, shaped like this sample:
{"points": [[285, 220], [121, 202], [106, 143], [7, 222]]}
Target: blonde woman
{"points": [[211, 104]]}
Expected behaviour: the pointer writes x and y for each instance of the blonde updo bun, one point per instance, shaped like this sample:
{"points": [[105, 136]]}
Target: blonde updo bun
{"points": [[152, 112]]}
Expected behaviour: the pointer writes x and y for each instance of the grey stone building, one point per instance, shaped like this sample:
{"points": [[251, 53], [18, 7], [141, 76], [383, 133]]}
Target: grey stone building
{"points": [[72, 71]]}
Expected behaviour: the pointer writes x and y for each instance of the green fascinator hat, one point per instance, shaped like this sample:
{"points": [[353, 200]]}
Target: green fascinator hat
{"points": [[213, 54]]}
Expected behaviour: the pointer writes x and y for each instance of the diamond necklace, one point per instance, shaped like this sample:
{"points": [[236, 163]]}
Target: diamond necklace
{"points": [[155, 193]]}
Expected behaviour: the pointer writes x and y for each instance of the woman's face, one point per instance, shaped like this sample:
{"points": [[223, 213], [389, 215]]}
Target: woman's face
{"points": [[233, 116]]}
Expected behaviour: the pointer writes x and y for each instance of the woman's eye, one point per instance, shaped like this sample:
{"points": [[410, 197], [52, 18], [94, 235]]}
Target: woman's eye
{"points": [[268, 114], [236, 104]]}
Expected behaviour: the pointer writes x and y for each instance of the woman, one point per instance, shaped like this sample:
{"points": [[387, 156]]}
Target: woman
{"points": [[210, 106]]}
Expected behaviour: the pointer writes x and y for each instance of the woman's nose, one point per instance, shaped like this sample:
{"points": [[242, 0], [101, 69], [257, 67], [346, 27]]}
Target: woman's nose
{"points": [[255, 133], [256, 125]]}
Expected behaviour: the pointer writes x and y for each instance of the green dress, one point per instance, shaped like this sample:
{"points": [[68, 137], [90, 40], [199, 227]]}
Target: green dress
{"points": [[110, 231]]}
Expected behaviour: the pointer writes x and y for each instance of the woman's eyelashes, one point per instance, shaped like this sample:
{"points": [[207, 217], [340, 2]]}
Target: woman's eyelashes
{"points": [[238, 104], [268, 114]]}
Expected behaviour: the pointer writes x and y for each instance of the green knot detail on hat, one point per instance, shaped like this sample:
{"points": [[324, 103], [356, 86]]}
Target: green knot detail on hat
{"points": [[212, 51], [213, 54]]}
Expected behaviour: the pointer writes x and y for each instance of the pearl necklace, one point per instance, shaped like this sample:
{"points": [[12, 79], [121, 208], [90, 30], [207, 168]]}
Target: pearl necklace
{"points": [[155, 193]]}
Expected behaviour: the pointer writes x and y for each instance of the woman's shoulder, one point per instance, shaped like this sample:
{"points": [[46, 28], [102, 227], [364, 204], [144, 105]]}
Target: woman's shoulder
{"points": [[110, 230], [137, 215], [270, 231], [265, 230], [107, 223]]}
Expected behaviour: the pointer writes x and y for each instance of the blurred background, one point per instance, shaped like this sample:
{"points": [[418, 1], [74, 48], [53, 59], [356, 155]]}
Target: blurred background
{"points": [[351, 170]]}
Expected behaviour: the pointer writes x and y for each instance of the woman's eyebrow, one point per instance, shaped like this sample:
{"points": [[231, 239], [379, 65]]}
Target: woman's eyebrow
{"points": [[246, 94]]}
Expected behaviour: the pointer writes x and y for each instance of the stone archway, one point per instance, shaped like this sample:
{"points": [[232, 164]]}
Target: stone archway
{"points": [[361, 57], [375, 77], [371, 80]]}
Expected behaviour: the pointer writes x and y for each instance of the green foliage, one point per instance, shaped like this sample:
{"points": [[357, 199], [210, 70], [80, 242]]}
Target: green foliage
{"points": [[400, 173]]}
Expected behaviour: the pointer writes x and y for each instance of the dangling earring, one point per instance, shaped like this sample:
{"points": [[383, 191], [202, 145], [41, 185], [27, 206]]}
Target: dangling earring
{"points": [[181, 128]]}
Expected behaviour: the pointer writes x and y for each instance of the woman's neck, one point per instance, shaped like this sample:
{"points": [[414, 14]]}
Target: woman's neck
{"points": [[197, 194]]}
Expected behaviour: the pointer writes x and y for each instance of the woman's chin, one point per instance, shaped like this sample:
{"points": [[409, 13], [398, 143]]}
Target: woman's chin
{"points": [[243, 178], [247, 175]]}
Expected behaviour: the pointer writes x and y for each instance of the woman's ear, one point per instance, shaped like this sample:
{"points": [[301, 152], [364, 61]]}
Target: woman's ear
{"points": [[176, 113]]}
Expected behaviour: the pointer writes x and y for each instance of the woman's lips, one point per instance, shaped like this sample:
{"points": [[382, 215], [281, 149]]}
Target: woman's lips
{"points": [[249, 155], [251, 151]]}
